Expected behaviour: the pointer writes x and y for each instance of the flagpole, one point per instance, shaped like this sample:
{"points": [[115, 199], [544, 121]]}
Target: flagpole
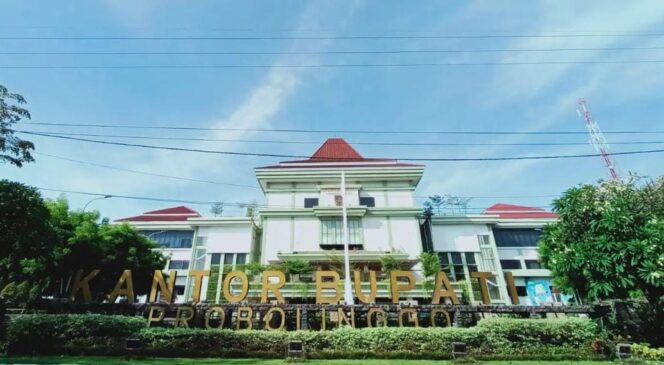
{"points": [[348, 294]]}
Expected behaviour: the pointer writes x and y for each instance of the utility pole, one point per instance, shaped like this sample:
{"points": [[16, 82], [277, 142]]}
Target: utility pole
{"points": [[348, 294], [597, 138]]}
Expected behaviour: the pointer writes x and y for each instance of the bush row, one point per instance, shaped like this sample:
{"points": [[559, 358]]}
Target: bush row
{"points": [[497, 338], [644, 352]]}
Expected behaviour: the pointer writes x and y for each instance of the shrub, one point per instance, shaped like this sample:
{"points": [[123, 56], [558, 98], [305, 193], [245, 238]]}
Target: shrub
{"points": [[70, 333], [568, 338], [644, 352], [512, 332]]}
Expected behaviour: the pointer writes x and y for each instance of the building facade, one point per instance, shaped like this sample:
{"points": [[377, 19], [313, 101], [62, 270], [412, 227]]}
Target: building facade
{"points": [[301, 219], [501, 240]]}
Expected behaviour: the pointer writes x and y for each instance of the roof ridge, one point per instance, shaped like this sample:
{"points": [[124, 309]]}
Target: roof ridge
{"points": [[336, 149]]}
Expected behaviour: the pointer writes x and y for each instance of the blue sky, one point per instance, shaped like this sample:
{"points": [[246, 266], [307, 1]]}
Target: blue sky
{"points": [[524, 98]]}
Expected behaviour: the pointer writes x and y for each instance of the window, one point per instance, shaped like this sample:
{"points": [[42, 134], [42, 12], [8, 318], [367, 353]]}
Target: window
{"points": [[199, 259], [510, 264], [171, 239], [178, 265], [228, 259], [310, 202], [453, 264], [487, 257], [368, 201], [517, 237], [484, 239], [533, 264], [241, 258], [215, 259], [521, 291], [332, 232]]}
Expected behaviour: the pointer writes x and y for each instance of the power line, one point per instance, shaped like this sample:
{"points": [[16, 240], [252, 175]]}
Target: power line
{"points": [[203, 202], [233, 153], [349, 37], [326, 65], [144, 172], [497, 196], [175, 53], [195, 202], [333, 142], [255, 187], [330, 131]]}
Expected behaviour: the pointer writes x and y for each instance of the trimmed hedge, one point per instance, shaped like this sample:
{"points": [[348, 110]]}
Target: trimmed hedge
{"points": [[54, 334], [644, 352], [568, 338]]}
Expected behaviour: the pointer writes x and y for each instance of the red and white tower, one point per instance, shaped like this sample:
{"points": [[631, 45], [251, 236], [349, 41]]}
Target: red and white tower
{"points": [[597, 138]]}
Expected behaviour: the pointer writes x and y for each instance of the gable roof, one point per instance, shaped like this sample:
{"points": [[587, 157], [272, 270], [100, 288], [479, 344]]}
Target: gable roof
{"points": [[504, 210], [174, 214], [336, 149], [337, 152]]}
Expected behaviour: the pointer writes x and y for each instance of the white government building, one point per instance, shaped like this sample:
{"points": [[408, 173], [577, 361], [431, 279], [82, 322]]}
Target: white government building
{"points": [[301, 219]]}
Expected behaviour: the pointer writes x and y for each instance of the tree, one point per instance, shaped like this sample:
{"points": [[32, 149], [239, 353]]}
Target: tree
{"points": [[609, 243], [430, 268], [217, 208], [14, 150], [83, 243], [26, 237]]}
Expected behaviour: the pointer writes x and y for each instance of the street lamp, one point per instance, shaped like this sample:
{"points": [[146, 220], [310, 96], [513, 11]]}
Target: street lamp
{"points": [[99, 198], [348, 294]]}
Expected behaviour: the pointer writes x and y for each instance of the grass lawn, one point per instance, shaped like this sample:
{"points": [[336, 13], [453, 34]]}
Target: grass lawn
{"points": [[180, 361]]}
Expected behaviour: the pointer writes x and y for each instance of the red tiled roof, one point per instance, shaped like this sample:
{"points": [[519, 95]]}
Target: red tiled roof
{"points": [[175, 210], [518, 211], [338, 150], [175, 214]]}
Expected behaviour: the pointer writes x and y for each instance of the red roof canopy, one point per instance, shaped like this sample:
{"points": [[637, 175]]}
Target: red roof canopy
{"points": [[174, 214], [518, 211], [338, 150]]}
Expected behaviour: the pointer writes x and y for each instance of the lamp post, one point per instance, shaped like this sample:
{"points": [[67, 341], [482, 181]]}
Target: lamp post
{"points": [[99, 198], [348, 294]]}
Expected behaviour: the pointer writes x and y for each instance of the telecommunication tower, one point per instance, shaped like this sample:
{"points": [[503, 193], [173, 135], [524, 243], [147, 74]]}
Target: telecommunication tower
{"points": [[597, 137]]}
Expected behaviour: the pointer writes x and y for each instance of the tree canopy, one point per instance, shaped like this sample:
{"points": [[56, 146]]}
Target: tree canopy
{"points": [[14, 150], [609, 241], [43, 243], [26, 240], [85, 244]]}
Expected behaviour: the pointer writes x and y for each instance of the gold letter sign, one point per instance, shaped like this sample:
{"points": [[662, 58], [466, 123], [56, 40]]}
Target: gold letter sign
{"points": [[82, 284], [166, 290], [397, 287], [320, 285], [267, 285], [443, 289], [124, 286]]}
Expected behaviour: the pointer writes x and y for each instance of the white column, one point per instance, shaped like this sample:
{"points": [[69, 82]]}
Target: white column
{"points": [[348, 294]]}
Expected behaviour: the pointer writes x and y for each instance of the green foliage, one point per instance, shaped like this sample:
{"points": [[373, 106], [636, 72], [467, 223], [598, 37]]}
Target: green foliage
{"points": [[609, 241], [14, 150], [297, 267], [8, 293], [26, 238], [70, 333], [390, 264], [499, 337], [644, 352], [430, 264], [83, 243]]}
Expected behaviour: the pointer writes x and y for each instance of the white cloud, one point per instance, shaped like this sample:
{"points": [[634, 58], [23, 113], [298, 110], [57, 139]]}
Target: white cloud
{"points": [[514, 83], [258, 110]]}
